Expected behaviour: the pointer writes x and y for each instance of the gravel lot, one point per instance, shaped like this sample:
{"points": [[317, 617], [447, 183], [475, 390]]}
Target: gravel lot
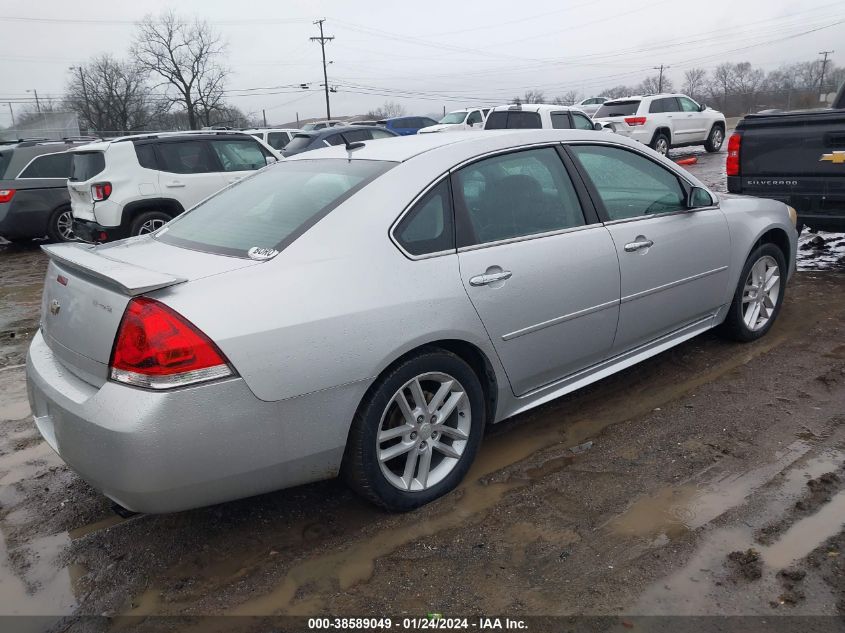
{"points": [[708, 480]]}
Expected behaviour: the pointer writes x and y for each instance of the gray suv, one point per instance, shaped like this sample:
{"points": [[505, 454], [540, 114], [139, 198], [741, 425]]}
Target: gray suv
{"points": [[34, 200]]}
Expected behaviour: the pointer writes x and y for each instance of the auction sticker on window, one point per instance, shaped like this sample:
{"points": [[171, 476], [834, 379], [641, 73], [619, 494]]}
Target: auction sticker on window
{"points": [[259, 253]]}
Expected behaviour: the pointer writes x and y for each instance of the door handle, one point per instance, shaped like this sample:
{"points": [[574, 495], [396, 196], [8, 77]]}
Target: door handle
{"points": [[638, 244], [489, 278], [174, 183]]}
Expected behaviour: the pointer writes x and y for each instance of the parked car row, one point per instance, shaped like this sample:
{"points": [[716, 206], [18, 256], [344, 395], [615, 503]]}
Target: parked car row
{"points": [[130, 186]]}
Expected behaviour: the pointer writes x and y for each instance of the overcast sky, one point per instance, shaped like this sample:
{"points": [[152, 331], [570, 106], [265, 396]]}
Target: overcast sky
{"points": [[425, 55]]}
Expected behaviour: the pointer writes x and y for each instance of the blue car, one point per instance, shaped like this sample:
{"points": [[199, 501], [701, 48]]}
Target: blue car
{"points": [[405, 125]]}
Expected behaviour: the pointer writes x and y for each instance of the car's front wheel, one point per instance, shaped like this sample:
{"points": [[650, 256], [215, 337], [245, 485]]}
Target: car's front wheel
{"points": [[758, 296], [417, 432], [715, 139], [148, 222]]}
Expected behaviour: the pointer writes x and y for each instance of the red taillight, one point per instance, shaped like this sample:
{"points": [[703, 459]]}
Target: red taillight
{"points": [[732, 162], [635, 120], [101, 191], [157, 348], [6, 194]]}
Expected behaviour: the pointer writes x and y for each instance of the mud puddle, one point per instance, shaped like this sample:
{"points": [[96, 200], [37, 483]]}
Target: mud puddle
{"points": [[807, 534]]}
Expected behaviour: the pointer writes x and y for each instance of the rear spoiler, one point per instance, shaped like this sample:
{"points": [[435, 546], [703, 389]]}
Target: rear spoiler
{"points": [[130, 279]]}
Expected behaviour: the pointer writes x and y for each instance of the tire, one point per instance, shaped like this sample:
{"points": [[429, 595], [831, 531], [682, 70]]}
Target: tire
{"points": [[661, 143], [389, 484], [715, 139], [147, 222], [60, 225], [736, 326]]}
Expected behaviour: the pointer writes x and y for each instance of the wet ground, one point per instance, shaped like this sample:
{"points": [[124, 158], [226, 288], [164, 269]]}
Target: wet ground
{"points": [[708, 480]]}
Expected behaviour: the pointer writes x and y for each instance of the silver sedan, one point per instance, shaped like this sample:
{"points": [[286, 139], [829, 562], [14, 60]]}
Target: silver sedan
{"points": [[368, 309]]}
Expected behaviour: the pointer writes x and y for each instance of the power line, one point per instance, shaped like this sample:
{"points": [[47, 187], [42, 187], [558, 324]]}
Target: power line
{"points": [[323, 39]]}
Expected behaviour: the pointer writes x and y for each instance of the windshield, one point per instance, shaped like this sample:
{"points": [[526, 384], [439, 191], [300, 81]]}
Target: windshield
{"points": [[273, 208], [618, 108], [86, 165], [454, 117]]}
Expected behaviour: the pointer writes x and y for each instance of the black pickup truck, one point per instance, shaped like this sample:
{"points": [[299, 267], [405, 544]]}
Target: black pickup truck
{"points": [[796, 157]]}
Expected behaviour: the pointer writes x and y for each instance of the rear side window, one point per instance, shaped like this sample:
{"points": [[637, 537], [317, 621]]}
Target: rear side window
{"points": [[5, 158], [428, 227], [86, 165], [239, 154], [273, 208], [48, 166], [299, 142], [376, 133], [560, 120], [186, 157], [513, 120], [277, 140], [146, 156], [618, 108], [666, 104]]}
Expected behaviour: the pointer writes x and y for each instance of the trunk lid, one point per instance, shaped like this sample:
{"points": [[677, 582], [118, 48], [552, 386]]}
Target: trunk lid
{"points": [[88, 287]]}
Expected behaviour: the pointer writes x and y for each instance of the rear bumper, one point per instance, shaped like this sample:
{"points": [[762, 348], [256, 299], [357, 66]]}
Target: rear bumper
{"points": [[18, 223], [89, 231], [185, 448], [824, 212]]}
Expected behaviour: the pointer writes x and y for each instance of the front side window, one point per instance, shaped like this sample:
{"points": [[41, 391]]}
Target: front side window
{"points": [[272, 208], [517, 194], [48, 166], [428, 227], [629, 184], [581, 122], [688, 105], [513, 120], [186, 157], [239, 154], [560, 121], [474, 118]]}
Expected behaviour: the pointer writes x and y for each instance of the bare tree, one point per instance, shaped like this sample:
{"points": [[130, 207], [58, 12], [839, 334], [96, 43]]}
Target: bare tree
{"points": [[186, 56], [110, 95], [530, 96], [723, 80], [567, 98], [695, 80], [747, 82], [387, 110], [617, 92], [651, 85]]}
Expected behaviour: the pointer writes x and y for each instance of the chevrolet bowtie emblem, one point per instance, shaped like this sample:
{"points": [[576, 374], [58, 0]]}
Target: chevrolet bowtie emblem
{"points": [[837, 158], [55, 306]]}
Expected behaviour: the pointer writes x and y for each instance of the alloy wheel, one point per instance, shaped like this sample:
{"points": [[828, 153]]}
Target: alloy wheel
{"points": [[661, 146], [423, 431], [64, 225], [151, 226], [761, 293], [717, 138]]}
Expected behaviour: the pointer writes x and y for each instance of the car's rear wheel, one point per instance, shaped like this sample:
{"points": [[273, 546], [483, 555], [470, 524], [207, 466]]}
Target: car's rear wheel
{"points": [[758, 296], [417, 432], [148, 222], [660, 143], [60, 225], [715, 139]]}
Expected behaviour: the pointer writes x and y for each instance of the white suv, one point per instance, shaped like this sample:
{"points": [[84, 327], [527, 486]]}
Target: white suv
{"points": [[135, 184], [664, 121], [458, 120], [277, 138], [537, 116]]}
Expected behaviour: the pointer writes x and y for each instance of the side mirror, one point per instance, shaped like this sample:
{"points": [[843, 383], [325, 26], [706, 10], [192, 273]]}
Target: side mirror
{"points": [[699, 198], [270, 160], [702, 107], [598, 126]]}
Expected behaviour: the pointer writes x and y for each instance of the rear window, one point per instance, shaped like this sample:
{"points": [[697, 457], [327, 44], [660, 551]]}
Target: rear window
{"points": [[299, 142], [271, 209], [618, 108], [86, 165], [513, 120]]}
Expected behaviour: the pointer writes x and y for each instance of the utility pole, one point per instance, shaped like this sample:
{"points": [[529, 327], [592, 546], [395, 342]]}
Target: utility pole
{"points": [[661, 68], [323, 39], [264, 114], [821, 78], [12, 112], [37, 103]]}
